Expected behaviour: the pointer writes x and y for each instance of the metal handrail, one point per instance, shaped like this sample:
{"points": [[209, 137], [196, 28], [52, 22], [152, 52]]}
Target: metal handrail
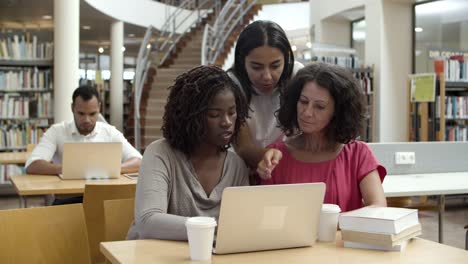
{"points": [[214, 37], [170, 38], [142, 65]]}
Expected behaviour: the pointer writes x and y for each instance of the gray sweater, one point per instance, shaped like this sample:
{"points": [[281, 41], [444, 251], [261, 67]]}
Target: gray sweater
{"points": [[168, 192]]}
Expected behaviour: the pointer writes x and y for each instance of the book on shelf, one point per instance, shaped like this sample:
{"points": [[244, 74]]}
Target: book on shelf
{"points": [[400, 247], [388, 220], [381, 239]]}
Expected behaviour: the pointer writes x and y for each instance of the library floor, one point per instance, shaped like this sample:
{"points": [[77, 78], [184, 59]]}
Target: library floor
{"points": [[456, 217]]}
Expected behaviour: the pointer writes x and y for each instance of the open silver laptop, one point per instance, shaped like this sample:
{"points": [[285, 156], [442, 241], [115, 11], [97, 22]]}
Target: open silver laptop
{"points": [[91, 160], [254, 218]]}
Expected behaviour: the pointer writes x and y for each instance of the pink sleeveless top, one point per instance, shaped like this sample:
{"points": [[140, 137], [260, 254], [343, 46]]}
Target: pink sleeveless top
{"points": [[341, 175]]}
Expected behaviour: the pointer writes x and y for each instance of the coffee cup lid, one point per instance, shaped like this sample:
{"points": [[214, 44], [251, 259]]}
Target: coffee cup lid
{"points": [[331, 208], [201, 222]]}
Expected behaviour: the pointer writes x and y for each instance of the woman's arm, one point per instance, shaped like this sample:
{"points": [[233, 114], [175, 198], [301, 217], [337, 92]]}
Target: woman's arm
{"points": [[246, 148], [371, 190], [151, 200]]}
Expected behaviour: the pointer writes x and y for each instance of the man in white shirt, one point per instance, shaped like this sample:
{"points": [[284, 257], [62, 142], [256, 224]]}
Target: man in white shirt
{"points": [[83, 128]]}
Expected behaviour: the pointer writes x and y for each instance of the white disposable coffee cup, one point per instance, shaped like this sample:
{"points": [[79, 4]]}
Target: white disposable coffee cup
{"points": [[200, 232], [328, 222]]}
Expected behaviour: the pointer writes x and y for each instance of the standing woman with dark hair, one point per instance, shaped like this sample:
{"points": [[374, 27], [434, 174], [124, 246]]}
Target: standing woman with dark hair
{"points": [[184, 174], [322, 112], [263, 63]]}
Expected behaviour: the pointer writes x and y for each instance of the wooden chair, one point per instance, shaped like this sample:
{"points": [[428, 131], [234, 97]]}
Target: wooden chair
{"points": [[118, 216], [30, 147], [55, 234], [93, 204]]}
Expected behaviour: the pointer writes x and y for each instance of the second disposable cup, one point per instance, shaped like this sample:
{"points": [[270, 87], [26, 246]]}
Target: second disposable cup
{"points": [[200, 232], [328, 222]]}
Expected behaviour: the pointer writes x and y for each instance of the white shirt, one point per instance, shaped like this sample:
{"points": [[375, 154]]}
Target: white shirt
{"points": [[262, 123], [50, 147]]}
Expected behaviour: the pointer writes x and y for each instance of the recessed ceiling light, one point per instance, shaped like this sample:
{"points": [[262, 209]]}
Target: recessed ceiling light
{"points": [[47, 17], [101, 49], [86, 27], [309, 44], [131, 35], [418, 29], [148, 46], [123, 49], [293, 47]]}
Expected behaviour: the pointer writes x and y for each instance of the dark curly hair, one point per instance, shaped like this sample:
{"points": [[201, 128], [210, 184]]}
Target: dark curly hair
{"points": [[184, 120], [257, 34], [350, 112]]}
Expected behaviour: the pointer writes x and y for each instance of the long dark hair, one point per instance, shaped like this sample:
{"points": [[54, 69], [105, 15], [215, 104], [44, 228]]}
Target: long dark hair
{"points": [[184, 120], [257, 34]]}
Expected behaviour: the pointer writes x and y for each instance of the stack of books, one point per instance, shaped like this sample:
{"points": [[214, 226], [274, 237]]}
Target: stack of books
{"points": [[380, 228]]}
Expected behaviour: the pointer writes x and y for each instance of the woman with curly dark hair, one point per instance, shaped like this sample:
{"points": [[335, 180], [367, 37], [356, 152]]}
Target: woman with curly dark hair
{"points": [[322, 111], [185, 173]]}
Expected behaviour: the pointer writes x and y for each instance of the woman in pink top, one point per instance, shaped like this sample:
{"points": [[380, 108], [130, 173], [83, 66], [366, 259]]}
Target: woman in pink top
{"points": [[322, 112]]}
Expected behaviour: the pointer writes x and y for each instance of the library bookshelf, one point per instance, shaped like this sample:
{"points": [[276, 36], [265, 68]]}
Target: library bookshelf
{"points": [[26, 95], [446, 119]]}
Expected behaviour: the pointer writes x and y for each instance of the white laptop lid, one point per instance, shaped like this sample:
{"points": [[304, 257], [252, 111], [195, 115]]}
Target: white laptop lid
{"points": [[91, 160], [254, 218]]}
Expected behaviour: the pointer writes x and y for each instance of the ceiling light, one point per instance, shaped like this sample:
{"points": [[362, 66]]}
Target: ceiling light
{"points": [[148, 46], [123, 49], [47, 17], [101, 49], [309, 44], [131, 35], [293, 47], [86, 27], [418, 29], [359, 35]]}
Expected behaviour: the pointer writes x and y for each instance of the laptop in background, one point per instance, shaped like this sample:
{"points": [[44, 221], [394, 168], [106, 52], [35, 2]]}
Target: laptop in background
{"points": [[254, 218], [91, 160]]}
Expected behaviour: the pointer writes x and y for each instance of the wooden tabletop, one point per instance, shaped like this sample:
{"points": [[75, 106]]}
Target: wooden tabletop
{"points": [[52, 184], [14, 157], [160, 251], [426, 184]]}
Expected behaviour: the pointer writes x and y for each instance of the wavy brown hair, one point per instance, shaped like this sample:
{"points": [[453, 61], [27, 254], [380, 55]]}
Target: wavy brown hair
{"points": [[350, 112], [184, 120]]}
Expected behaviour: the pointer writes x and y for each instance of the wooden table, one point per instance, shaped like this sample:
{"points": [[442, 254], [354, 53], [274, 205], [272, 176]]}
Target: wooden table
{"points": [[26, 185], [439, 184], [14, 157], [160, 251]]}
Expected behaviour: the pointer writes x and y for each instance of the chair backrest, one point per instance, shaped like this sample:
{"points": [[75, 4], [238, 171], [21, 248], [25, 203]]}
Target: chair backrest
{"points": [[93, 204], [54, 234], [30, 147], [118, 216]]}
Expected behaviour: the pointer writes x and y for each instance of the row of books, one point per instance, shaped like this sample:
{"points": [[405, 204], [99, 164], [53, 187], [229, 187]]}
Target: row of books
{"points": [[9, 170], [379, 228], [16, 106], [456, 69], [456, 133], [25, 79], [455, 107], [19, 136], [365, 80], [24, 47], [347, 62]]}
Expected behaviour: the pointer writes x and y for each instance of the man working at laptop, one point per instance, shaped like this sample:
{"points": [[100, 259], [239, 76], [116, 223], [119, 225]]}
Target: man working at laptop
{"points": [[83, 128]]}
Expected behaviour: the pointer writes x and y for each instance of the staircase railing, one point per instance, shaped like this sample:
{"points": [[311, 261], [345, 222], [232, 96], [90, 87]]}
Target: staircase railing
{"points": [[173, 29], [214, 37], [142, 65], [164, 43]]}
